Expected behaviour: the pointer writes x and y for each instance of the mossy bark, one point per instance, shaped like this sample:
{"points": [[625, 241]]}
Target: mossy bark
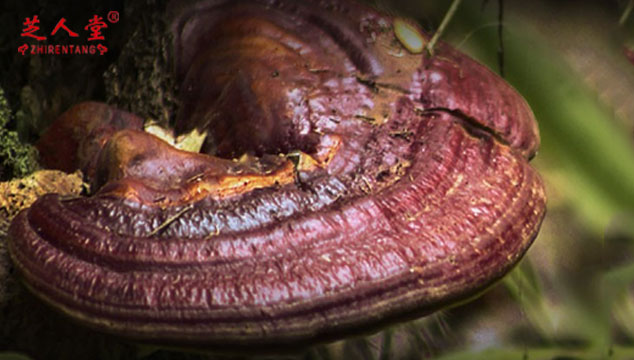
{"points": [[134, 74]]}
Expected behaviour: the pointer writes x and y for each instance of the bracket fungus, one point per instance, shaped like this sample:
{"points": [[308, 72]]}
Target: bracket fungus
{"points": [[345, 183]]}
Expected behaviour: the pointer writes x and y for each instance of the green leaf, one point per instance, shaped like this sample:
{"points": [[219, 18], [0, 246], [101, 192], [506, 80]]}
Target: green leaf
{"points": [[579, 134], [13, 356]]}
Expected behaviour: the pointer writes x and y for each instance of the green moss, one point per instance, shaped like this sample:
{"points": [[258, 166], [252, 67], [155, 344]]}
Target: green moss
{"points": [[16, 159]]}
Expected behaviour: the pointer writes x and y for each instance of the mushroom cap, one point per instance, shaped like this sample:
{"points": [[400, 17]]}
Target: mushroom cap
{"points": [[345, 183]]}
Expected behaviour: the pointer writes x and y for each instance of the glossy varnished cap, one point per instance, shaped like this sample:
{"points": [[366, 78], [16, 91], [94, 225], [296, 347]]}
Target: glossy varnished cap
{"points": [[345, 183]]}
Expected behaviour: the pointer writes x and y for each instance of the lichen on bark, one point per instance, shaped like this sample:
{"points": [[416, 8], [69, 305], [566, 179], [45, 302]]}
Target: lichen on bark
{"points": [[17, 159]]}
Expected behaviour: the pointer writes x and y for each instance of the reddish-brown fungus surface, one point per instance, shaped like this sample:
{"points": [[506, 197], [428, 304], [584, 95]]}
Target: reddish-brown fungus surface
{"points": [[344, 183]]}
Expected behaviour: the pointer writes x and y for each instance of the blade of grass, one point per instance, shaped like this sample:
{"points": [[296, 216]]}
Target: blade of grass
{"points": [[443, 25], [541, 354], [578, 133]]}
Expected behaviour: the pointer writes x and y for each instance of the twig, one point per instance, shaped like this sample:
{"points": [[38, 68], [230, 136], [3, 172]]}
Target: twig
{"points": [[443, 24], [626, 13], [369, 119], [170, 220], [501, 36]]}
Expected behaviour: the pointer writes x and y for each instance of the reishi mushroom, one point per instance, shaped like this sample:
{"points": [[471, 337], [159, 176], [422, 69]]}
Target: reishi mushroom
{"points": [[345, 183]]}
